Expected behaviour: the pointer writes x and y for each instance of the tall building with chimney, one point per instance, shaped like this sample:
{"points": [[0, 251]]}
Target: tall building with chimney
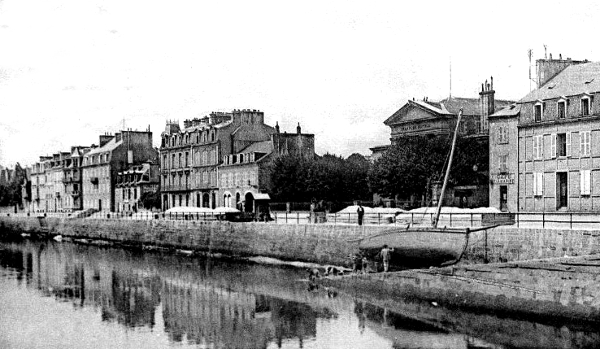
{"points": [[559, 139], [244, 177], [190, 156], [101, 165]]}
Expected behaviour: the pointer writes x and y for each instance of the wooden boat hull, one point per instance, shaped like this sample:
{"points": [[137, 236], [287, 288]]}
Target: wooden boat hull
{"points": [[420, 248]]}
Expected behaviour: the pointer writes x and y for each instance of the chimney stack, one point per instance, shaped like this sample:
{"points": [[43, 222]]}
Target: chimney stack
{"points": [[486, 103]]}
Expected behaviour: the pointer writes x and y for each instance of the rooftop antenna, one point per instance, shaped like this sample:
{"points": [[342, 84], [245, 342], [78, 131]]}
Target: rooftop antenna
{"points": [[450, 94], [530, 54]]}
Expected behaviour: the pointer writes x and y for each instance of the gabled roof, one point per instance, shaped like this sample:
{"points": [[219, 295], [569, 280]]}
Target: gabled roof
{"points": [[573, 80], [432, 107]]}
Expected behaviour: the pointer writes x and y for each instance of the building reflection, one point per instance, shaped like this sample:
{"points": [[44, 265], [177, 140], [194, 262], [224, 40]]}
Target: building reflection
{"points": [[197, 306]]}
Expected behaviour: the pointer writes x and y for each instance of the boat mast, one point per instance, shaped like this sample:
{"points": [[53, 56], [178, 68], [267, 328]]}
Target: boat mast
{"points": [[436, 218]]}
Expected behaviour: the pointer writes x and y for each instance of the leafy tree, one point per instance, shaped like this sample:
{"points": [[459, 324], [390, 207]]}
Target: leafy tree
{"points": [[412, 163], [329, 177], [150, 199], [11, 192]]}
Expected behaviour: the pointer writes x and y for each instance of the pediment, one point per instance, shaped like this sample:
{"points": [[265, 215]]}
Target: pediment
{"points": [[411, 112]]}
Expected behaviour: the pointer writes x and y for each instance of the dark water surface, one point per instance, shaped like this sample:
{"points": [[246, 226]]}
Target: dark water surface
{"points": [[64, 295]]}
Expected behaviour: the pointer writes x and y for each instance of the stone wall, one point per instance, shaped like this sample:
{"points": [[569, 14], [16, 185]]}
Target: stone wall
{"points": [[512, 244], [318, 243]]}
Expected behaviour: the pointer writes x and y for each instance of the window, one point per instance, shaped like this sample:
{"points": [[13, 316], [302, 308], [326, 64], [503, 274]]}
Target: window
{"points": [[538, 146], [585, 106], [187, 159], [585, 182], [502, 134], [562, 109], [135, 193], [503, 163], [584, 143], [538, 109], [538, 183], [560, 144], [204, 157]]}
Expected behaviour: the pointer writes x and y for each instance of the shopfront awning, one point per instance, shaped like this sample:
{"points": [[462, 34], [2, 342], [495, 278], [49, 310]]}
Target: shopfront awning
{"points": [[261, 196]]}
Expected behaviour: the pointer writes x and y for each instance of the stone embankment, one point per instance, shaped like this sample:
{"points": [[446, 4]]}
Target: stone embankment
{"points": [[316, 243]]}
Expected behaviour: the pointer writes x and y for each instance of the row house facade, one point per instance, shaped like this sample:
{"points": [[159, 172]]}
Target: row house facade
{"points": [[244, 176], [190, 156], [49, 193], [101, 165], [551, 152], [133, 183], [425, 117]]}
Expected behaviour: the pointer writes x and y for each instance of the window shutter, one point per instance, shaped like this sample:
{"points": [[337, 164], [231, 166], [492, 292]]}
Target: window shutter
{"points": [[585, 182], [568, 145], [541, 145], [534, 186], [541, 183], [553, 145]]}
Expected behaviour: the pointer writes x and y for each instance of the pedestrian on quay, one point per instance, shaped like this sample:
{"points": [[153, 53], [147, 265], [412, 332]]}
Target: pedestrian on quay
{"points": [[361, 212], [356, 263], [385, 255], [365, 265]]}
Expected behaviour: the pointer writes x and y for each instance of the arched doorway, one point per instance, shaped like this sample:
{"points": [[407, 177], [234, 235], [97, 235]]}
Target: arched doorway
{"points": [[214, 200], [237, 201], [249, 203], [205, 200]]}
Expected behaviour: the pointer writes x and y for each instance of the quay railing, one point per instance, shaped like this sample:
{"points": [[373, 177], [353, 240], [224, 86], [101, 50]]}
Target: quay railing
{"points": [[544, 220]]}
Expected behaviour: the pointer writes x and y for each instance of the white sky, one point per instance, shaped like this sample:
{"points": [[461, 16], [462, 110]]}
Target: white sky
{"points": [[71, 69]]}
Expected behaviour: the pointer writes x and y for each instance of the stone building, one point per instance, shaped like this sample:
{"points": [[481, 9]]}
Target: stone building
{"points": [[190, 156], [425, 117], [133, 183], [101, 165], [559, 139], [244, 176], [47, 185], [504, 158]]}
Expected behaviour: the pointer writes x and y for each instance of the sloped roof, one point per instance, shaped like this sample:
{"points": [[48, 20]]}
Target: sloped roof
{"points": [[259, 147], [574, 80], [109, 146], [511, 110]]}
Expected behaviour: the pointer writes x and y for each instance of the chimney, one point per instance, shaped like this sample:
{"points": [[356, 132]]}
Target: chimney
{"points": [[105, 138], [276, 126], [187, 123], [298, 129], [486, 104], [549, 68]]}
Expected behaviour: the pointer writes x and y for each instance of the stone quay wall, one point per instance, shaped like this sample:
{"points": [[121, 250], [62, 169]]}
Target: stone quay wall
{"points": [[317, 243]]}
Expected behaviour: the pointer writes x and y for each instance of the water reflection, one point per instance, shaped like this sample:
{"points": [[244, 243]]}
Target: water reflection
{"points": [[214, 303]]}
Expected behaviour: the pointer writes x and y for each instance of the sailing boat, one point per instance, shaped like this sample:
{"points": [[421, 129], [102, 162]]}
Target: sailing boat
{"points": [[424, 246]]}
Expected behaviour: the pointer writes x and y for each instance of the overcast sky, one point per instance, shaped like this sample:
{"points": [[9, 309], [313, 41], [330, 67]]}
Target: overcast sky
{"points": [[71, 69]]}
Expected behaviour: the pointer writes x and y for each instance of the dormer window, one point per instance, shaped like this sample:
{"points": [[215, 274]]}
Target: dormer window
{"points": [[585, 105], [562, 109], [538, 110]]}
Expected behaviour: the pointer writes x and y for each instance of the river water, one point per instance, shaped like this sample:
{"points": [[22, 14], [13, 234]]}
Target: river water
{"points": [[65, 295]]}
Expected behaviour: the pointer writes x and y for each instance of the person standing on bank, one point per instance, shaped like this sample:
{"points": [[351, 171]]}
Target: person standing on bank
{"points": [[361, 212], [385, 255]]}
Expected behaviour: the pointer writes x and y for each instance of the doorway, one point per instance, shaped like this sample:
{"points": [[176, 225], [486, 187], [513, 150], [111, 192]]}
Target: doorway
{"points": [[503, 198], [561, 190]]}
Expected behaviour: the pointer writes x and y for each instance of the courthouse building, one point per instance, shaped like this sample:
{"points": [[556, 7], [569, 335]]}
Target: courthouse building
{"points": [[425, 117]]}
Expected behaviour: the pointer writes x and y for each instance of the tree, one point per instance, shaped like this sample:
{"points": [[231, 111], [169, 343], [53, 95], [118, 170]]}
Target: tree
{"points": [[329, 178], [412, 163], [11, 192], [150, 199]]}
